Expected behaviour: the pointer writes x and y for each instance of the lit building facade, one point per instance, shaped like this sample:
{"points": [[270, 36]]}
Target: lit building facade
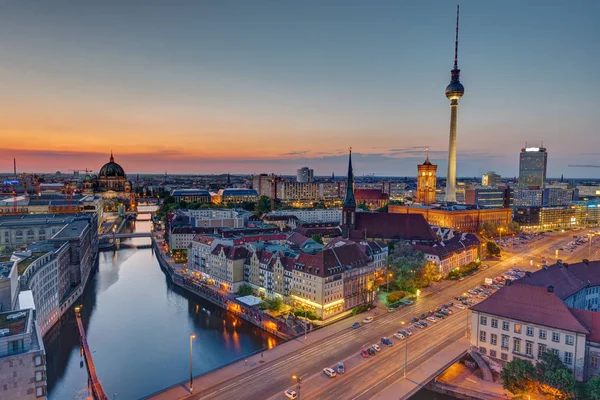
{"points": [[191, 195], [426, 182], [533, 162], [536, 219], [235, 196], [304, 174], [490, 179], [488, 197]]}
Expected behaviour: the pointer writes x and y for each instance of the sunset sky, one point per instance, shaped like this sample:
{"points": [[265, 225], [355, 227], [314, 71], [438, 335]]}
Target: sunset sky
{"points": [[270, 86]]}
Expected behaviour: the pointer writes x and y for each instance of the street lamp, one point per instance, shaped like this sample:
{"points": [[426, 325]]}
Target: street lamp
{"points": [[298, 384], [192, 336], [388, 282], [500, 230], [405, 354]]}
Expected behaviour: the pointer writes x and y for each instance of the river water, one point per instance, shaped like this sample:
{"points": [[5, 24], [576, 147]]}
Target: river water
{"points": [[138, 328]]}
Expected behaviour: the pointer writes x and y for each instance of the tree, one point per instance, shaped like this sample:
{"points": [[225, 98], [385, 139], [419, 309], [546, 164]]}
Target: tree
{"points": [[274, 304], [518, 376], [408, 267], [592, 388], [548, 362], [245, 290], [169, 200], [317, 238], [559, 383], [363, 206], [383, 209], [493, 249]]}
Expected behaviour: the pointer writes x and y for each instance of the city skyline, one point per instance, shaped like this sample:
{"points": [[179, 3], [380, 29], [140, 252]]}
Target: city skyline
{"points": [[272, 88]]}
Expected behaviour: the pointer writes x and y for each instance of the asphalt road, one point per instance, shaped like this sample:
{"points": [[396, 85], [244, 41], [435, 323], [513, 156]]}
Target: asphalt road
{"points": [[366, 377]]}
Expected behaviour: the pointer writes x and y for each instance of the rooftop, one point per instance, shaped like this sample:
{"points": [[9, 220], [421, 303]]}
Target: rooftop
{"points": [[72, 231], [14, 321], [5, 268]]}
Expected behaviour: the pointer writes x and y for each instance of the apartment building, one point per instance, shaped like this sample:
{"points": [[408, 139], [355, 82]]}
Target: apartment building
{"points": [[311, 215], [455, 252], [553, 309]]}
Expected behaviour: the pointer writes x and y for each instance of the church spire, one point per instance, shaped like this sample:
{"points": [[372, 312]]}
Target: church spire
{"points": [[349, 200], [112, 159]]}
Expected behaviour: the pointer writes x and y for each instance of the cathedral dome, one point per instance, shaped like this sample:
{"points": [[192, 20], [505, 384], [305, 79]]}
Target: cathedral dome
{"points": [[111, 169]]}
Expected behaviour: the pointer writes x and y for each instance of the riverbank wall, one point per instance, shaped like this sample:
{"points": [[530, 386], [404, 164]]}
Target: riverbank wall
{"points": [[255, 317]]}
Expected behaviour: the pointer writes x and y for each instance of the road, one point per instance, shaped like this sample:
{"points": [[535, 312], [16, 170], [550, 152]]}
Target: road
{"points": [[366, 377]]}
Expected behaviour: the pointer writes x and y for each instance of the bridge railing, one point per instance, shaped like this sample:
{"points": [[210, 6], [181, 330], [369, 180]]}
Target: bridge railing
{"points": [[97, 389]]}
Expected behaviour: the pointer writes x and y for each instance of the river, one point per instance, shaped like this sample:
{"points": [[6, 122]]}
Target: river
{"points": [[138, 328]]}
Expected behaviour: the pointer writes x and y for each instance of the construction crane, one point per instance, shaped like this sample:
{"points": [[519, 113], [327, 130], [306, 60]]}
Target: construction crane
{"points": [[584, 166]]}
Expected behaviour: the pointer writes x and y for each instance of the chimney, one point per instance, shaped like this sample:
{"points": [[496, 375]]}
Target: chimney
{"points": [[586, 261], [545, 268], [528, 274], [508, 282], [559, 262], [566, 265], [550, 289]]}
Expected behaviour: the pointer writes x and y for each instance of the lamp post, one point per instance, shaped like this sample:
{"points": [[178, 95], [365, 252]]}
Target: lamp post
{"points": [[298, 384], [192, 336], [389, 275], [500, 230], [590, 236], [405, 354]]}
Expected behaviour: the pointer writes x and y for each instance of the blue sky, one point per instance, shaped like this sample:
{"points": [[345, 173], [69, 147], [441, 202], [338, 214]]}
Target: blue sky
{"points": [[270, 86]]}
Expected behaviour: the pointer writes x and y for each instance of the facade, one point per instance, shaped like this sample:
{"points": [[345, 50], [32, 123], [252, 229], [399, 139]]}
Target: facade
{"points": [[456, 252], [304, 174], [587, 212], [530, 197], [533, 219], [372, 198], [236, 196], [9, 286], [111, 177], [311, 215], [218, 218], [533, 162], [192, 195], [22, 357], [488, 197], [426, 182], [462, 218], [490, 179], [226, 267], [553, 309]]}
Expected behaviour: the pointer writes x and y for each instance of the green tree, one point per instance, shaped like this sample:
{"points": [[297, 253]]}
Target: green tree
{"points": [[548, 362], [245, 290], [169, 200], [183, 204], [488, 229], [408, 267], [592, 388], [518, 376], [274, 304], [317, 238], [561, 382], [383, 209], [493, 249], [363, 206]]}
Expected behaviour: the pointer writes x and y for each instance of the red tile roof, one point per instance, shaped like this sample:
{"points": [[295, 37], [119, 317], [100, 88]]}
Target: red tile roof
{"points": [[591, 320], [458, 243], [531, 304], [391, 226], [370, 194]]}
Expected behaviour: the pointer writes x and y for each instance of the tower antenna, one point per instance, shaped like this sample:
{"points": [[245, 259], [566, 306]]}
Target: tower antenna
{"points": [[456, 41]]}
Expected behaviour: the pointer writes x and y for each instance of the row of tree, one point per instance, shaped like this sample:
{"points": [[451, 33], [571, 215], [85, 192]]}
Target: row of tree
{"points": [[549, 377], [410, 269]]}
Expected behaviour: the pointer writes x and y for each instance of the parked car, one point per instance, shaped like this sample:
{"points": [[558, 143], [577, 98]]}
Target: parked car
{"points": [[415, 319], [449, 304], [367, 320], [376, 347], [371, 351], [425, 324], [391, 309], [460, 306], [406, 332], [386, 341], [356, 325], [439, 315], [446, 311], [364, 353], [290, 394], [340, 368], [423, 316], [399, 336], [432, 319], [418, 325], [329, 372], [461, 278]]}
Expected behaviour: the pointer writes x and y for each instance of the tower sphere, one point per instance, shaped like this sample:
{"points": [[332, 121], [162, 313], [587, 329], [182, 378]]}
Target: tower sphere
{"points": [[455, 90]]}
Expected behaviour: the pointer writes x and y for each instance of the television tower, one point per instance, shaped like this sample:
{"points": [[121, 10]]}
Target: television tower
{"points": [[454, 91]]}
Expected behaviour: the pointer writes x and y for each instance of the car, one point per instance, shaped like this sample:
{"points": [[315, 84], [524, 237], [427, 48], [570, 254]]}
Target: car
{"points": [[391, 309], [406, 332], [399, 336], [450, 304], [368, 320], [340, 368], [356, 325], [423, 316], [329, 372], [432, 319], [376, 347], [386, 341], [437, 310], [415, 319], [425, 324], [418, 325], [364, 353], [290, 394], [429, 313], [439, 315], [461, 278], [446, 311], [460, 306]]}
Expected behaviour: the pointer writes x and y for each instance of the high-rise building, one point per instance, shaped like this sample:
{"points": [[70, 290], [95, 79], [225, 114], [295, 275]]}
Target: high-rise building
{"points": [[426, 182], [532, 166], [304, 175], [490, 179], [454, 91]]}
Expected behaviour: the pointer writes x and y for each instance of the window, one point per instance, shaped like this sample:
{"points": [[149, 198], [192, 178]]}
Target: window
{"points": [[40, 376], [556, 337], [568, 358], [15, 346], [529, 331], [569, 339], [542, 334], [595, 360], [529, 348], [556, 352], [482, 350], [517, 345], [40, 391], [483, 320], [541, 349], [494, 339], [505, 342], [482, 335], [38, 361], [517, 328], [493, 353], [494, 323], [504, 325], [504, 356]]}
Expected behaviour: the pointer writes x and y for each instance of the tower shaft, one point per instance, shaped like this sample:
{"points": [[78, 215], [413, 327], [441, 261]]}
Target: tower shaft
{"points": [[451, 175]]}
